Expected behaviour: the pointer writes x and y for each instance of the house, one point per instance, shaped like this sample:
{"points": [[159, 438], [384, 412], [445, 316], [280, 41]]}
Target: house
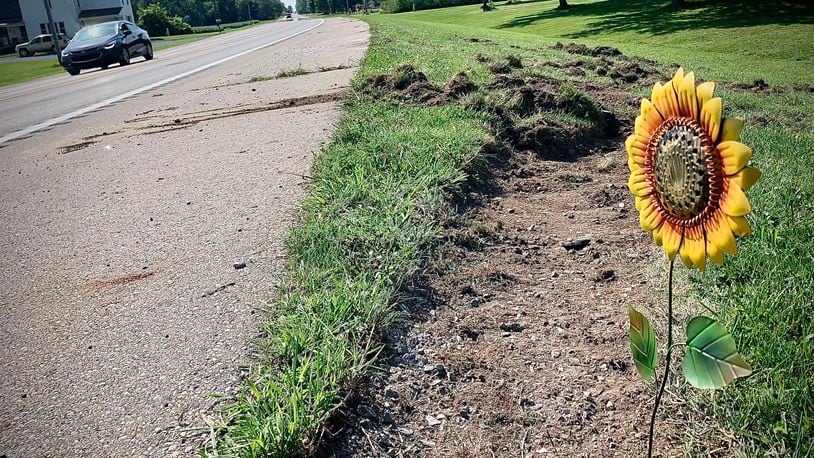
{"points": [[21, 20]]}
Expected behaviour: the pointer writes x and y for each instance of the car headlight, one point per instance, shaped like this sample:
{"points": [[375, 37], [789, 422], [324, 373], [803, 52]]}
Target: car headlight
{"points": [[110, 45], [66, 53]]}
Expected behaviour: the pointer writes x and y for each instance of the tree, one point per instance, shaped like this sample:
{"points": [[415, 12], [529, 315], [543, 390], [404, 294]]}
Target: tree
{"points": [[155, 20], [563, 4]]}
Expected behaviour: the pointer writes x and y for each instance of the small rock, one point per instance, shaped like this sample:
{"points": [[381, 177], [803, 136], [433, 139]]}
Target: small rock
{"points": [[435, 369], [391, 393], [512, 327], [555, 353], [575, 245], [605, 276], [239, 265], [432, 421]]}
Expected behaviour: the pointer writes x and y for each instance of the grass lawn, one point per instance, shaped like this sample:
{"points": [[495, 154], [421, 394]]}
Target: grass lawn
{"points": [[18, 71], [379, 191], [722, 40]]}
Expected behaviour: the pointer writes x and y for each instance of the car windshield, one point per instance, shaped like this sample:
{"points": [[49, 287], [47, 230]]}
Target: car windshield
{"points": [[96, 31]]}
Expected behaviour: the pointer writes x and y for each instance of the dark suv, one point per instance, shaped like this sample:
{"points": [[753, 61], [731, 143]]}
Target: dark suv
{"points": [[100, 45]]}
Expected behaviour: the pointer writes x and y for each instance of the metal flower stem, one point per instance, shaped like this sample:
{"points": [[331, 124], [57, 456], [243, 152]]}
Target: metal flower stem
{"points": [[667, 361]]}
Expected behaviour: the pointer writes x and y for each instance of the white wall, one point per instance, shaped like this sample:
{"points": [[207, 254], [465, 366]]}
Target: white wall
{"points": [[67, 11], [62, 10]]}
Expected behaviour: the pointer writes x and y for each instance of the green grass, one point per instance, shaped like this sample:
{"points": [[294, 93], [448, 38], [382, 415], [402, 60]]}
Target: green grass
{"points": [[764, 298], [379, 189], [25, 70], [720, 39], [373, 211]]}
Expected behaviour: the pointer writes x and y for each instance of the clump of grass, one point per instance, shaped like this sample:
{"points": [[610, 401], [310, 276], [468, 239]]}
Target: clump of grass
{"points": [[291, 73], [580, 105], [375, 202]]}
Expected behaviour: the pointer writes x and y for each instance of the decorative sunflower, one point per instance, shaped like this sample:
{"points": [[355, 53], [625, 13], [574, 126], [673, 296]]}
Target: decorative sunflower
{"points": [[688, 172]]}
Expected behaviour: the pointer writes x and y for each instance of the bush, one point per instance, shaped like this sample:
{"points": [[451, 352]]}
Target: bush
{"points": [[214, 28], [155, 20]]}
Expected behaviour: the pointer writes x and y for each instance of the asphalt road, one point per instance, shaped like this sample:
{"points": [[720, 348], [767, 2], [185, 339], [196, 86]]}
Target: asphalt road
{"points": [[25, 106], [122, 310]]}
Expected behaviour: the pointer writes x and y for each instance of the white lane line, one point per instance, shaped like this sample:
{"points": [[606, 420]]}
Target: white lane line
{"points": [[61, 119]]}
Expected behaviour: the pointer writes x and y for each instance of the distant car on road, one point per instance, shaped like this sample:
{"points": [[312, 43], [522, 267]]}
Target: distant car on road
{"points": [[288, 17], [40, 43], [101, 45]]}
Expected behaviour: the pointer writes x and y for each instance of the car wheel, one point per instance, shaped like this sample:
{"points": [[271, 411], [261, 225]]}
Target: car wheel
{"points": [[24, 52], [72, 71], [125, 58], [149, 54]]}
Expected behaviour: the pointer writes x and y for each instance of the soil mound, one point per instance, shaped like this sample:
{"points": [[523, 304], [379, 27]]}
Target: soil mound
{"points": [[576, 48], [405, 84]]}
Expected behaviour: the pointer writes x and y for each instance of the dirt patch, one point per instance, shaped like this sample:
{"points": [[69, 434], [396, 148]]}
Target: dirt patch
{"points": [[576, 48], [460, 85], [478, 40], [517, 344], [535, 365], [505, 65], [608, 62], [405, 84], [75, 147]]}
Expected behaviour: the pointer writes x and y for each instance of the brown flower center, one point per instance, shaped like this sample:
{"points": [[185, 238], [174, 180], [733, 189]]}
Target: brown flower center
{"points": [[680, 171]]}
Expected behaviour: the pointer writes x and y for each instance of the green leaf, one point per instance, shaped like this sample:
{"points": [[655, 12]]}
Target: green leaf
{"points": [[642, 343], [711, 361]]}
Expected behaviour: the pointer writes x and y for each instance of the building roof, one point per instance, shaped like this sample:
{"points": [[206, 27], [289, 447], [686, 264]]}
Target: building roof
{"points": [[98, 12]]}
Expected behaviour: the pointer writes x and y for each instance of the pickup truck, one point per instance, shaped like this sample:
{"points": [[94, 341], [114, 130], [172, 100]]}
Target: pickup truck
{"points": [[40, 43]]}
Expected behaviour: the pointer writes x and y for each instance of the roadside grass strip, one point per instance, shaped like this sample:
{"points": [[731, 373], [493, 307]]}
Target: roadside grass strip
{"points": [[381, 188], [378, 194]]}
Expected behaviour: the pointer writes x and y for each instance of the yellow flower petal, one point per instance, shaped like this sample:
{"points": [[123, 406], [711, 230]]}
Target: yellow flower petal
{"points": [[687, 100], [704, 92], [711, 117], [638, 185], [649, 216], [714, 253], [664, 99], [739, 225], [658, 234], [734, 202], [746, 177], [632, 165], [671, 239], [678, 76], [693, 252], [638, 202], [731, 129], [720, 234], [652, 118], [735, 156], [640, 128]]}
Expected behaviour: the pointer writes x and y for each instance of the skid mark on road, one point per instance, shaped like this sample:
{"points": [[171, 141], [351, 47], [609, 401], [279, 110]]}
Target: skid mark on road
{"points": [[209, 115], [75, 147], [118, 281]]}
